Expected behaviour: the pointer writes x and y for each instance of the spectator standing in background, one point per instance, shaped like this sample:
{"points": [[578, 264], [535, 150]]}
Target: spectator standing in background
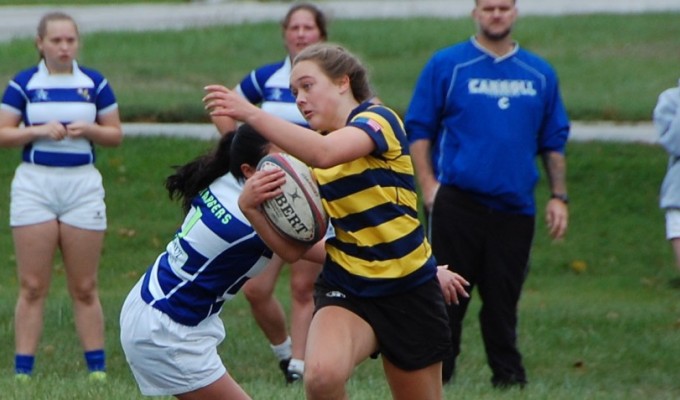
{"points": [[481, 112], [667, 123], [57, 195]]}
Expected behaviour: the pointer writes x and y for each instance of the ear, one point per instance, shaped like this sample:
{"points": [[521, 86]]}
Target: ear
{"points": [[344, 84], [248, 170]]}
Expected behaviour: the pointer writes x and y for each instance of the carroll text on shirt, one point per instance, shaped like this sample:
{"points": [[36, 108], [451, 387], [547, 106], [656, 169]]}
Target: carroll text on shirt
{"points": [[216, 207], [501, 87]]}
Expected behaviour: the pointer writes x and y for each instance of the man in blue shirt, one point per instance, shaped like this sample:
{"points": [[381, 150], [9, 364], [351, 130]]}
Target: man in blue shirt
{"points": [[481, 112]]}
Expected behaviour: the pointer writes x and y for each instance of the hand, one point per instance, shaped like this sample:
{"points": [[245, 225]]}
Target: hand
{"points": [[556, 218], [260, 187], [54, 130], [223, 102], [77, 129], [453, 285]]}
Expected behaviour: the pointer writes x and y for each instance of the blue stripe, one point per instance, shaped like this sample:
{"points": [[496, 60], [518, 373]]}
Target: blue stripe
{"points": [[52, 159], [373, 217], [343, 187]]}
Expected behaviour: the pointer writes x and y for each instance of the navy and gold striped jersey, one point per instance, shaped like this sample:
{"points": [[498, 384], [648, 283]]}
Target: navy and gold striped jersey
{"points": [[379, 247]]}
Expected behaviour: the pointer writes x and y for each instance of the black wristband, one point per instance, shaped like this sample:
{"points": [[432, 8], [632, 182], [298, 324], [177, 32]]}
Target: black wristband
{"points": [[561, 197]]}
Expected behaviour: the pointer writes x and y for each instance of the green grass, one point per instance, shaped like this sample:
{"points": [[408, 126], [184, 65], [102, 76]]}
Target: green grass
{"points": [[610, 332], [611, 67]]}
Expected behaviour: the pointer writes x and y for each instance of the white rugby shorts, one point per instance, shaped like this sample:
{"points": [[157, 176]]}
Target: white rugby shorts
{"points": [[672, 223], [73, 195], [167, 358]]}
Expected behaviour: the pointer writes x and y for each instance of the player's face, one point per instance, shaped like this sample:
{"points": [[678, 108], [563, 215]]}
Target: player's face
{"points": [[301, 32], [59, 46], [317, 96], [495, 18]]}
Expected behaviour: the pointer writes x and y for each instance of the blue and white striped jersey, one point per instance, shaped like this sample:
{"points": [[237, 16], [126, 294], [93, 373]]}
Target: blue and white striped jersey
{"points": [[269, 86], [40, 98], [212, 255]]}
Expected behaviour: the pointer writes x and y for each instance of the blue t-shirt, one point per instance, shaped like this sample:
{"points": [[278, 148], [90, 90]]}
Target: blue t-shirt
{"points": [[488, 118]]}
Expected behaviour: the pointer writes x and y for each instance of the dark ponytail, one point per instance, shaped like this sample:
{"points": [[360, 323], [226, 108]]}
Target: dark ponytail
{"points": [[244, 146]]}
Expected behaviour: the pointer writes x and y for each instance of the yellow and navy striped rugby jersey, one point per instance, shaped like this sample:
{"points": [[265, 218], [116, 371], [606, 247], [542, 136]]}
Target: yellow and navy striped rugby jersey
{"points": [[379, 247]]}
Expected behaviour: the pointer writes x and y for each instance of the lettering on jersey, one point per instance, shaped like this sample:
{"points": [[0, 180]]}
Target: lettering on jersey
{"points": [[503, 89], [290, 214], [215, 207], [277, 94]]}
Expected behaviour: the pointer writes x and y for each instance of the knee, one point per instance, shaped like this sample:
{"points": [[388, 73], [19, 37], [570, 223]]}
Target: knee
{"points": [[84, 292], [323, 382], [32, 291], [255, 293]]}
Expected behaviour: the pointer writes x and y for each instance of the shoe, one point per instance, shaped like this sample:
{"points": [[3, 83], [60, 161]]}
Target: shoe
{"points": [[97, 376], [22, 378], [291, 376]]}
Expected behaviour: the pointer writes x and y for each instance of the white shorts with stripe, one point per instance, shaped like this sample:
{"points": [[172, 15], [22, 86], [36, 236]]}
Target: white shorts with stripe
{"points": [[73, 195]]}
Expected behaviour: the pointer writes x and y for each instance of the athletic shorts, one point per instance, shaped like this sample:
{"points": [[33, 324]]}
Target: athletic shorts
{"points": [[672, 223], [167, 358], [72, 195], [412, 328]]}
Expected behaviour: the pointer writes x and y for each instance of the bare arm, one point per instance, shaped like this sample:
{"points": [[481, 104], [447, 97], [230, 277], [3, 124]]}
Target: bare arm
{"points": [[422, 162], [557, 214], [322, 151], [12, 135]]}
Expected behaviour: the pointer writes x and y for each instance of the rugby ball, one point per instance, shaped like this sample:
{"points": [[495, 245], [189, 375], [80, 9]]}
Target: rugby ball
{"points": [[298, 212]]}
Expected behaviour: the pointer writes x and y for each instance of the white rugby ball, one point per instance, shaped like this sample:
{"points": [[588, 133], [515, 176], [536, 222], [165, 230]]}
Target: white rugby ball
{"points": [[298, 212]]}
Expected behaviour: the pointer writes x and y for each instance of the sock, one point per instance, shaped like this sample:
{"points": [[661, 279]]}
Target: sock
{"points": [[23, 363], [96, 360], [284, 350], [297, 366]]}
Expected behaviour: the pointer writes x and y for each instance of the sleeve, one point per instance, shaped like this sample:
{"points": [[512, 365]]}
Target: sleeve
{"points": [[555, 128], [106, 99], [14, 99], [667, 120], [422, 117]]}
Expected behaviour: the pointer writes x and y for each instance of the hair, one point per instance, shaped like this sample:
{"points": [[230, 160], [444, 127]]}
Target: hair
{"points": [[336, 62], [245, 145], [319, 17], [54, 16]]}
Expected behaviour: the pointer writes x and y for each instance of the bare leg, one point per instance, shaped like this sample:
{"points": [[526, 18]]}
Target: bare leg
{"points": [[425, 384], [81, 250], [675, 242], [266, 309], [338, 340], [223, 388], [303, 274], [35, 246]]}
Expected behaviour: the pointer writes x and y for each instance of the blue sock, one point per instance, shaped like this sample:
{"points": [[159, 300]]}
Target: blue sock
{"points": [[96, 360], [23, 363]]}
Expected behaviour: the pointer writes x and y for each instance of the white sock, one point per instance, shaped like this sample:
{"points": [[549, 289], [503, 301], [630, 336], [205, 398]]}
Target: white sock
{"points": [[296, 366], [284, 350]]}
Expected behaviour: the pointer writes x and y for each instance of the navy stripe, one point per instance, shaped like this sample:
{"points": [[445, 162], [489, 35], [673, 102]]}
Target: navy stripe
{"points": [[373, 217], [367, 287], [343, 187], [384, 251]]}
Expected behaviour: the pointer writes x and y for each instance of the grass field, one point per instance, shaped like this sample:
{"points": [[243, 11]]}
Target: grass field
{"points": [[610, 332], [610, 66]]}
